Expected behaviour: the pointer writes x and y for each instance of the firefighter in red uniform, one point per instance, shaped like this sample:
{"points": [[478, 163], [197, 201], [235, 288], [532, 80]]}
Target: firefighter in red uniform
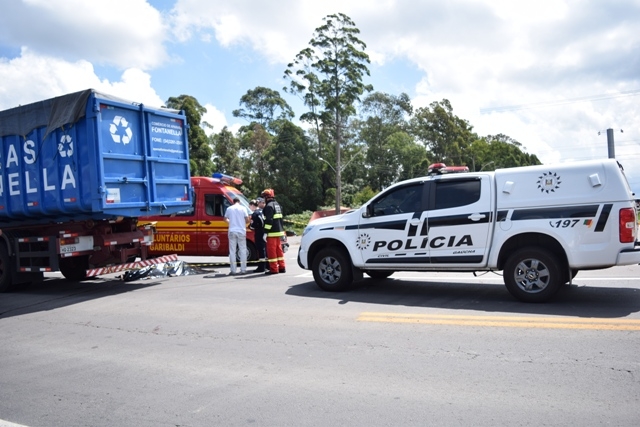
{"points": [[274, 230]]}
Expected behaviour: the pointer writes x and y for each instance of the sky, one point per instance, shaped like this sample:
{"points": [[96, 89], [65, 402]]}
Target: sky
{"points": [[552, 74]]}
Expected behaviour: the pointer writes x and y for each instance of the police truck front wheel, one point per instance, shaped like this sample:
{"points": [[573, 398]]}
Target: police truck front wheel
{"points": [[332, 270], [533, 275]]}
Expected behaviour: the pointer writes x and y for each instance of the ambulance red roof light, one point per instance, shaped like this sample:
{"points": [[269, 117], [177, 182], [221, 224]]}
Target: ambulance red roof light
{"points": [[227, 179]]}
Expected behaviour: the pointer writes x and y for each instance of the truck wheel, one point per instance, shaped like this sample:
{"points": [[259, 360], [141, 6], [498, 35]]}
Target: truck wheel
{"points": [[74, 268], [6, 282], [332, 270], [379, 274], [533, 275]]}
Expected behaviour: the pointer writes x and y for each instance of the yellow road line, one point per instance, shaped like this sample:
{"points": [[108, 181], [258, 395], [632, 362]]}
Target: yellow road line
{"points": [[504, 321]]}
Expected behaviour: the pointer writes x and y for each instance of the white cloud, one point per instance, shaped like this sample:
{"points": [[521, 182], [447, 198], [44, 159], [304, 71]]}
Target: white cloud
{"points": [[215, 118], [479, 54], [525, 12], [135, 85], [121, 33], [30, 78], [276, 31]]}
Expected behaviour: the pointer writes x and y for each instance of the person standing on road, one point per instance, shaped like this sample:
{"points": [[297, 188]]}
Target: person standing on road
{"points": [[257, 225], [274, 229], [238, 219]]}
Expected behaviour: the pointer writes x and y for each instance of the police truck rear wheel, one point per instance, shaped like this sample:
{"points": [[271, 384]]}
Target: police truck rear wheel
{"points": [[533, 275], [332, 270]]}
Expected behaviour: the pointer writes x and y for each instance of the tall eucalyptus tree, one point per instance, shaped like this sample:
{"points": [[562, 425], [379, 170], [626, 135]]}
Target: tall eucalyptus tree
{"points": [[329, 75]]}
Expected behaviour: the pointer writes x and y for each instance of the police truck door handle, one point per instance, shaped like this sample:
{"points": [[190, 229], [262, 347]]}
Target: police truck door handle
{"points": [[476, 216], [190, 222], [207, 222]]}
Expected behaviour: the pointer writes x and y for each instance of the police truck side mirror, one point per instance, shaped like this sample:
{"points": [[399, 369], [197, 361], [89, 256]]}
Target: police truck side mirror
{"points": [[368, 212]]}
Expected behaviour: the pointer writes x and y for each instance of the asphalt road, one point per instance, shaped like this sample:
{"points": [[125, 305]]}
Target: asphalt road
{"points": [[414, 350]]}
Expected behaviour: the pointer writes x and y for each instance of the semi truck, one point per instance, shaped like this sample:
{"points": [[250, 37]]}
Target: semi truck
{"points": [[76, 173]]}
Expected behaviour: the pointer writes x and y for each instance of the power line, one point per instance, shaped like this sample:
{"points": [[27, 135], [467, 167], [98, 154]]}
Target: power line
{"points": [[561, 102]]}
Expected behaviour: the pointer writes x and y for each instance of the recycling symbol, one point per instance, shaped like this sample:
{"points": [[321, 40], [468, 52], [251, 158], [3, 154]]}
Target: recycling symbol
{"points": [[65, 147], [118, 127]]}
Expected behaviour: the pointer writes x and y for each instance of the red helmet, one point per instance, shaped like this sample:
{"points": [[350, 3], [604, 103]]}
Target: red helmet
{"points": [[268, 193]]}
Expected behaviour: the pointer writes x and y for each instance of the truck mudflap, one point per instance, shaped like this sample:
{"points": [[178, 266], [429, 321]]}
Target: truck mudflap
{"points": [[130, 265]]}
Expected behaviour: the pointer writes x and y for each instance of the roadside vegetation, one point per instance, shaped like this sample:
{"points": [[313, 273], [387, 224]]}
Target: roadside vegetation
{"points": [[350, 141]]}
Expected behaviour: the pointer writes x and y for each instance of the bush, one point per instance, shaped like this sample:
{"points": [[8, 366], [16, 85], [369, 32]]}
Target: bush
{"points": [[297, 222]]}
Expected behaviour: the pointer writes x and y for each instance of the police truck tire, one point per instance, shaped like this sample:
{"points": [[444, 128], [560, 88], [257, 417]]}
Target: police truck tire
{"points": [[74, 268], [379, 274], [6, 281], [332, 270], [533, 275]]}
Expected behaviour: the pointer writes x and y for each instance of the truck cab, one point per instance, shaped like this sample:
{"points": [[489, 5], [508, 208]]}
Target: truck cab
{"points": [[201, 230]]}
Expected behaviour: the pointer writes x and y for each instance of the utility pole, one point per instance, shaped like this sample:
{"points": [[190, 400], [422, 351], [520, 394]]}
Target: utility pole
{"points": [[338, 169], [611, 144]]}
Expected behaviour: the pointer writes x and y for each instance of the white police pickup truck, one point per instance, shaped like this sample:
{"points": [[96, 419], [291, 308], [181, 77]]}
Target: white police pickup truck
{"points": [[539, 224]]}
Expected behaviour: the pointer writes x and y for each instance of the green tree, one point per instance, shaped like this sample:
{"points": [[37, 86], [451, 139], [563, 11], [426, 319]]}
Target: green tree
{"points": [[261, 105], [443, 133], [478, 157], [411, 158], [392, 153], [498, 151], [329, 77], [255, 141], [363, 196], [353, 174], [200, 150], [506, 152], [226, 150], [293, 171]]}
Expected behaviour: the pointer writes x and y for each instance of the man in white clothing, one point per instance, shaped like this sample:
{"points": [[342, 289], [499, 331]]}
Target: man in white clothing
{"points": [[238, 218]]}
